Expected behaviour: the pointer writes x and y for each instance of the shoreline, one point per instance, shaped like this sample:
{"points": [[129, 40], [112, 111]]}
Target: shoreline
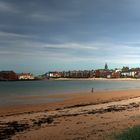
{"points": [[97, 79], [83, 115], [71, 79], [71, 100]]}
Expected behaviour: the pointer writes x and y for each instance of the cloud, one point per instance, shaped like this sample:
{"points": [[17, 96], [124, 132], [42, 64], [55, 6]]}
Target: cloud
{"points": [[23, 46], [67, 31], [13, 35], [60, 15], [72, 46], [7, 7]]}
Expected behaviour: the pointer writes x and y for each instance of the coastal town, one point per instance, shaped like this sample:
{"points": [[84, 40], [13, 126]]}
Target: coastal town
{"points": [[124, 72]]}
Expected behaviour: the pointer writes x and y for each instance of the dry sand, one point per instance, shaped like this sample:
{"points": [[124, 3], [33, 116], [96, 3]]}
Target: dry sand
{"points": [[106, 79], [83, 116]]}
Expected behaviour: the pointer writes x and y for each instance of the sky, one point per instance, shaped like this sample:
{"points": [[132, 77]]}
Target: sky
{"points": [[55, 35]]}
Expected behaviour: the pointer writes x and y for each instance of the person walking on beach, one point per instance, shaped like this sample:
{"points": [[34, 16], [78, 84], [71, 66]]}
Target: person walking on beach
{"points": [[92, 90]]}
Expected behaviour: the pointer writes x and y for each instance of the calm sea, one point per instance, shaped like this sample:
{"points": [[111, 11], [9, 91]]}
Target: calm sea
{"points": [[10, 92]]}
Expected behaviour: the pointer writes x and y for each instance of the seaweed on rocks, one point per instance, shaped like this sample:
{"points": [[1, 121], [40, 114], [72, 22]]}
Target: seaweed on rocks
{"points": [[11, 128], [41, 121]]}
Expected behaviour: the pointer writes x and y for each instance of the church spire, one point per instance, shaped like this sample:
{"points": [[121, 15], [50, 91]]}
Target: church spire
{"points": [[106, 66]]}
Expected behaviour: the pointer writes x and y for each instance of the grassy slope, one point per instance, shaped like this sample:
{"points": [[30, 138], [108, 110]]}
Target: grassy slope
{"points": [[130, 134]]}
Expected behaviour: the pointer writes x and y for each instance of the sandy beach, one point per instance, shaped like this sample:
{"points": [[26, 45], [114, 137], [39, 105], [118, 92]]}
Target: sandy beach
{"points": [[98, 79], [82, 116]]}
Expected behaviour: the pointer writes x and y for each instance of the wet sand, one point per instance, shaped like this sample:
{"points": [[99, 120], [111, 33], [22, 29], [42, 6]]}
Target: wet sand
{"points": [[93, 116]]}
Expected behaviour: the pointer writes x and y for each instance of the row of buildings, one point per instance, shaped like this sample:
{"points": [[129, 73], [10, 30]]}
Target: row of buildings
{"points": [[125, 72], [12, 76]]}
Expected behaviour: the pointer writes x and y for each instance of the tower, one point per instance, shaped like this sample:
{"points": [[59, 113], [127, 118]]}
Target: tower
{"points": [[106, 66]]}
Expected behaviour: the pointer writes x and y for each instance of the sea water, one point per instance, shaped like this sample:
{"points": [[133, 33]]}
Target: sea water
{"points": [[11, 91]]}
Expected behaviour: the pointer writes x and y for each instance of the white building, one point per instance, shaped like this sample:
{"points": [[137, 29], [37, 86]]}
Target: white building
{"points": [[25, 76]]}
